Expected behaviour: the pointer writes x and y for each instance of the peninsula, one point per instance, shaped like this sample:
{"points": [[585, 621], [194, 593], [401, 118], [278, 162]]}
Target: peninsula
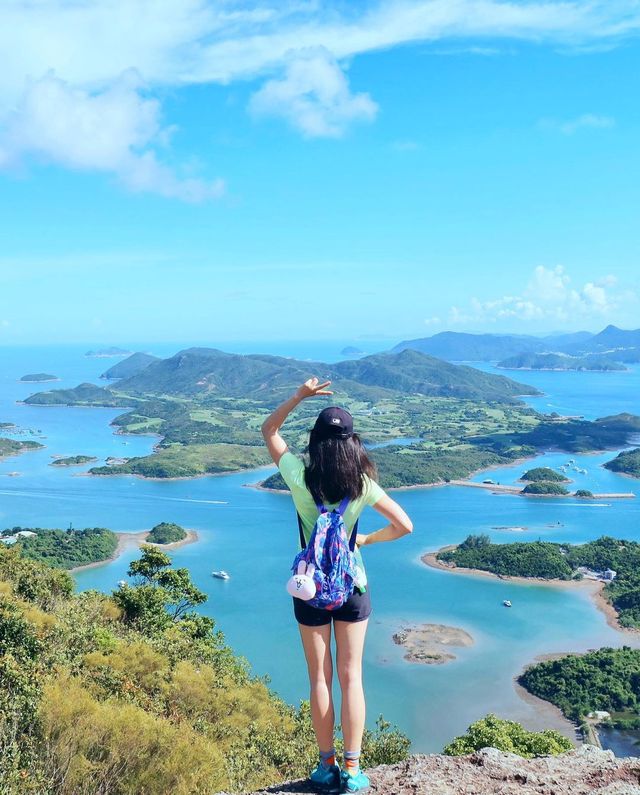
{"points": [[626, 463], [611, 564]]}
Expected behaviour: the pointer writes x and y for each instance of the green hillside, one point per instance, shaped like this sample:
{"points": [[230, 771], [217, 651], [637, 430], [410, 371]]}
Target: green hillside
{"points": [[200, 371], [66, 549], [135, 692], [131, 366], [605, 679]]}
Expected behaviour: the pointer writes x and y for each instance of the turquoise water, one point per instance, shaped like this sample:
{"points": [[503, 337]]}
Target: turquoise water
{"points": [[252, 535]]}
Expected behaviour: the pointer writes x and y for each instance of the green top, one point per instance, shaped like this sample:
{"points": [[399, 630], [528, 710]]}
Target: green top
{"points": [[292, 471]]}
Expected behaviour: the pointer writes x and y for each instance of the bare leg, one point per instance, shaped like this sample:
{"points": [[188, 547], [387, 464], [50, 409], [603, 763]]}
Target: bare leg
{"points": [[316, 642], [350, 644]]}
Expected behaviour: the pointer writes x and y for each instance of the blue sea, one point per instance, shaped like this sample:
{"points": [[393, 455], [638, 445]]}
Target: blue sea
{"points": [[252, 534]]}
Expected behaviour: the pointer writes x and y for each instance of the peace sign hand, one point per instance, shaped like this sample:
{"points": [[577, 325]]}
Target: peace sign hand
{"points": [[312, 388]]}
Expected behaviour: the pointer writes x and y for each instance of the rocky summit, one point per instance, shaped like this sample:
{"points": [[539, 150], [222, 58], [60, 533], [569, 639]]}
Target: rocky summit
{"points": [[585, 771]]}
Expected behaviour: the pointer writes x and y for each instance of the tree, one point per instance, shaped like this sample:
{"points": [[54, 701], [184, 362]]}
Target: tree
{"points": [[160, 595]]}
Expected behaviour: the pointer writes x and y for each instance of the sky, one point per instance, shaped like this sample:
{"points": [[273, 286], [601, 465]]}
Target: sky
{"points": [[182, 169]]}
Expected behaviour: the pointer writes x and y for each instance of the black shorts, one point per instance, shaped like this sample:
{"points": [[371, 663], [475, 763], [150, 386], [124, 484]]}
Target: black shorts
{"points": [[356, 608]]}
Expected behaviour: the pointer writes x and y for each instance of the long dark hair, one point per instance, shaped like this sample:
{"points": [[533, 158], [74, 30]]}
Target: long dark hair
{"points": [[336, 467]]}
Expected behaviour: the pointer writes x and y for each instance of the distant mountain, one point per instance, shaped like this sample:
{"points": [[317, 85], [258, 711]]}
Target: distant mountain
{"points": [[559, 361], [133, 365], [455, 346], [559, 339], [624, 344], [202, 371]]}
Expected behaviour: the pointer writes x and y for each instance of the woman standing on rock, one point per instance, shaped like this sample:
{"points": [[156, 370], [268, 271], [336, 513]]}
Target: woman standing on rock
{"points": [[338, 470]]}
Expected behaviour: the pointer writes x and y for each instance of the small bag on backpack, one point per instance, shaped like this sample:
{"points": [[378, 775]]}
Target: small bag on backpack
{"points": [[325, 572]]}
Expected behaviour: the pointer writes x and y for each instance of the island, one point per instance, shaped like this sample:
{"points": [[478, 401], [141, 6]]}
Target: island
{"points": [[9, 447], [626, 463], [73, 460], [545, 474], [166, 533], [39, 377], [350, 350], [559, 361], [612, 564], [542, 488], [431, 644], [206, 407]]}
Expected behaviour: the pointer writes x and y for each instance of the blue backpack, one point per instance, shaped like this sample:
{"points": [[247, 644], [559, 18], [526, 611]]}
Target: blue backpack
{"points": [[329, 558]]}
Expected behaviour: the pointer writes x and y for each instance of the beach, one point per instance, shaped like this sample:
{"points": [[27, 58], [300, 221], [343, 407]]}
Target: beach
{"points": [[595, 588], [129, 540]]}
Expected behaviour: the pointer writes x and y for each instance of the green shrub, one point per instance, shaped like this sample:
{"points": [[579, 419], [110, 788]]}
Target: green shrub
{"points": [[507, 735]]}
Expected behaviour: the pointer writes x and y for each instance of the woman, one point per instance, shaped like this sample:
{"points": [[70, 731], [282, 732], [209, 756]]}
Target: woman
{"points": [[338, 467]]}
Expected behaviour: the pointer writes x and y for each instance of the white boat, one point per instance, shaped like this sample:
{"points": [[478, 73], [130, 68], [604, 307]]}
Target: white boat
{"points": [[507, 603], [220, 575]]}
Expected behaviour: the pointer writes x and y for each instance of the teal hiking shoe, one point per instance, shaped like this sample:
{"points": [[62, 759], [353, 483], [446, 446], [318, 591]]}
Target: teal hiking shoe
{"points": [[357, 783], [326, 779]]}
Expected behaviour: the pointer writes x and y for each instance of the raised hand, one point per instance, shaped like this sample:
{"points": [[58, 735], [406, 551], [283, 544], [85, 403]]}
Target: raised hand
{"points": [[312, 388]]}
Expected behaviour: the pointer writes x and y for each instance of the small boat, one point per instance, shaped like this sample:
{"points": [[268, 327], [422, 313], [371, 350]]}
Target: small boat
{"points": [[507, 603], [220, 575]]}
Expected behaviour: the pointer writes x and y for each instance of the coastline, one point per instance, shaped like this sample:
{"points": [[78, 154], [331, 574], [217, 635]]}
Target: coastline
{"points": [[184, 477], [129, 540], [551, 715], [595, 588]]}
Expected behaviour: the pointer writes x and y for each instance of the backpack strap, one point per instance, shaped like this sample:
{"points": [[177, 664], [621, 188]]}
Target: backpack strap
{"points": [[340, 509], [303, 543]]}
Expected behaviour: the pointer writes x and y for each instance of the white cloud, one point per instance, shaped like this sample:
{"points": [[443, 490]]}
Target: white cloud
{"points": [[548, 295], [571, 126], [4, 323], [89, 45], [314, 97], [115, 130]]}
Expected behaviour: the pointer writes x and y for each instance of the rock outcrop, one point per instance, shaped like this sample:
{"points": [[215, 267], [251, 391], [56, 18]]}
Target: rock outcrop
{"points": [[585, 771]]}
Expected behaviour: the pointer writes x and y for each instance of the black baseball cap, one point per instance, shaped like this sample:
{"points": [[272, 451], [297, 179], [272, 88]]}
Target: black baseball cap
{"points": [[334, 423]]}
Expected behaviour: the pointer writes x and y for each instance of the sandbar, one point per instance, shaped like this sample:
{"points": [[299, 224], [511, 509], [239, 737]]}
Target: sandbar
{"points": [[430, 644]]}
